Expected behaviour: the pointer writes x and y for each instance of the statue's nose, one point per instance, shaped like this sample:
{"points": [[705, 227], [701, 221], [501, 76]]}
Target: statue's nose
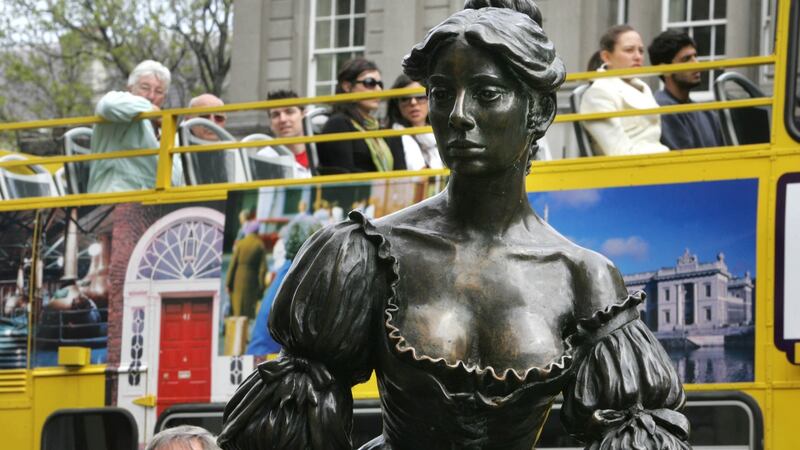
{"points": [[460, 118]]}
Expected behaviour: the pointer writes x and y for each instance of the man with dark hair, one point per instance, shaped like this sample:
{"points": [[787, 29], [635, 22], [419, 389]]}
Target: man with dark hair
{"points": [[694, 129], [288, 122]]}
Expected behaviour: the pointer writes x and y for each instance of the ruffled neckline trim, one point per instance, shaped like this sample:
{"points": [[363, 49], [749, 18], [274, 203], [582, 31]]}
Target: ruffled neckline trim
{"points": [[556, 368]]}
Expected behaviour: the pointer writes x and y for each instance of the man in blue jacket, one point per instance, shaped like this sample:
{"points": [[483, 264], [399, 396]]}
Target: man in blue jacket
{"points": [[694, 129]]}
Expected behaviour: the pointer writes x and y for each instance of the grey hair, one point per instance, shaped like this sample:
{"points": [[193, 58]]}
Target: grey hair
{"points": [[182, 437], [150, 67]]}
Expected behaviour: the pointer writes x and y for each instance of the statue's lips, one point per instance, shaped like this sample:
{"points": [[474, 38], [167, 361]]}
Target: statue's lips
{"points": [[465, 149]]}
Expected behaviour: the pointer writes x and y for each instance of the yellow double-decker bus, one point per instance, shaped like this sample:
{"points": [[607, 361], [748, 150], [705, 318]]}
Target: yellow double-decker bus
{"points": [[116, 318]]}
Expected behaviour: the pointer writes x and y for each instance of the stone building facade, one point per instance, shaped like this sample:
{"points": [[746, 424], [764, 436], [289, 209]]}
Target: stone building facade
{"points": [[298, 44], [694, 297]]}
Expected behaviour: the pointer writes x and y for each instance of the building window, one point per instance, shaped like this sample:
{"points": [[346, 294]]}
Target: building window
{"points": [[708, 313], [186, 251], [705, 21], [767, 72], [689, 303], [666, 294], [337, 34], [708, 290], [666, 316], [621, 7]]}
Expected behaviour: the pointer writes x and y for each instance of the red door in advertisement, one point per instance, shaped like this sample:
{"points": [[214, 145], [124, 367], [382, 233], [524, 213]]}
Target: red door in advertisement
{"points": [[184, 363]]}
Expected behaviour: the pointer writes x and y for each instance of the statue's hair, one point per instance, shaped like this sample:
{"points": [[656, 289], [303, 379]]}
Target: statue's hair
{"points": [[511, 30], [526, 7]]}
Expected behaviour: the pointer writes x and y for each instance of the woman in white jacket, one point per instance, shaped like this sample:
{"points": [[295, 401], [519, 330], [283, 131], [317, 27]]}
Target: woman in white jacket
{"points": [[621, 47]]}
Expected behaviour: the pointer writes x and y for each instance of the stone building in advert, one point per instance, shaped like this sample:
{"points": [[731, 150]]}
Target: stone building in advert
{"points": [[695, 298]]}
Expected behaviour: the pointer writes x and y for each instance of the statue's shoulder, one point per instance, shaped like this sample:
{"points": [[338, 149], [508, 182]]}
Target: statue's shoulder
{"points": [[598, 282], [416, 215], [585, 260], [592, 262]]}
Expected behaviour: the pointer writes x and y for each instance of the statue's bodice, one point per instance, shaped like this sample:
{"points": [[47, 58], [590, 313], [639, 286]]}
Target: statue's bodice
{"points": [[474, 342]]}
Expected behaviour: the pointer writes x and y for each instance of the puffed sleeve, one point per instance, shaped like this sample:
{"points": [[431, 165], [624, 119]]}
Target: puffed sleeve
{"points": [[625, 393], [324, 318]]}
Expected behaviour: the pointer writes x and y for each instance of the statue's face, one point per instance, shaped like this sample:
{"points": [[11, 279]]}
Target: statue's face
{"points": [[478, 110]]}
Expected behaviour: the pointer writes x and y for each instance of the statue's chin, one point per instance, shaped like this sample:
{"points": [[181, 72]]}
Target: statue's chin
{"points": [[470, 167], [484, 168]]}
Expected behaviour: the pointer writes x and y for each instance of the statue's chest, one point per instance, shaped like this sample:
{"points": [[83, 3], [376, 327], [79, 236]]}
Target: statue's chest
{"points": [[489, 309]]}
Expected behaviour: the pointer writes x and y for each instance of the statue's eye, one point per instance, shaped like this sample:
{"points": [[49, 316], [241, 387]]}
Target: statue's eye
{"points": [[440, 94], [488, 95]]}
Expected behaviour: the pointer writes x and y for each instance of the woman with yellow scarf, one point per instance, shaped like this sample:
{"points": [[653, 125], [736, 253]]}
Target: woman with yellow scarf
{"points": [[363, 155]]}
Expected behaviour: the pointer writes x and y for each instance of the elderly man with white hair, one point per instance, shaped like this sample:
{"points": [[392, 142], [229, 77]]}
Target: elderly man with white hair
{"points": [[147, 87]]}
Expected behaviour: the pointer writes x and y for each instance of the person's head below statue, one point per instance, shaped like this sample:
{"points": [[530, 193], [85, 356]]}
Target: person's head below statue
{"points": [[184, 437], [505, 38]]}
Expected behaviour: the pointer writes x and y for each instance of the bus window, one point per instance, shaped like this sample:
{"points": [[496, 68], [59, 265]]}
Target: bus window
{"points": [[205, 415], [90, 429], [211, 421], [367, 421], [727, 420], [721, 423]]}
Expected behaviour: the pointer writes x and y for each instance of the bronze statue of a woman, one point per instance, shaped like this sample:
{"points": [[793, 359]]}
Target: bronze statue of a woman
{"points": [[473, 312]]}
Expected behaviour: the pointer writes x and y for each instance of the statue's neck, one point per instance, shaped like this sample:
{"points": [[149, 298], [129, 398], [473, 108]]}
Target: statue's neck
{"points": [[488, 203]]}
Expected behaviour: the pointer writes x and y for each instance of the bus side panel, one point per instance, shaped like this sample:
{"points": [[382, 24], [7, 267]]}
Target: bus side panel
{"points": [[784, 421], [64, 388], [16, 417]]}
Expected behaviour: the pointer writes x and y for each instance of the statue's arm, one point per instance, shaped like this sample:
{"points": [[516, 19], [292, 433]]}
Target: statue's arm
{"points": [[323, 316], [625, 392]]}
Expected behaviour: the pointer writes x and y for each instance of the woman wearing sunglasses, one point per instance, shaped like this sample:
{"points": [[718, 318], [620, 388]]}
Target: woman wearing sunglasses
{"points": [[363, 155], [412, 111]]}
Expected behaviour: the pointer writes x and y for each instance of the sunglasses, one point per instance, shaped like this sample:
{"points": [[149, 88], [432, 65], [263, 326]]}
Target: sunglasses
{"points": [[418, 98], [370, 83], [217, 118]]}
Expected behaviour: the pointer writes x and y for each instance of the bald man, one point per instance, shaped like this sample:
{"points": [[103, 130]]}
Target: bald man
{"points": [[206, 101]]}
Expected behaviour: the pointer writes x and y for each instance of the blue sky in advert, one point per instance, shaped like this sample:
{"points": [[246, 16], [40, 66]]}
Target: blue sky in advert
{"points": [[643, 228]]}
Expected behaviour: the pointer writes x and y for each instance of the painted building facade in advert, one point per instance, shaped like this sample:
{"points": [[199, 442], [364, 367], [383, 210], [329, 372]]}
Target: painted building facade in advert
{"points": [[696, 298], [166, 284]]}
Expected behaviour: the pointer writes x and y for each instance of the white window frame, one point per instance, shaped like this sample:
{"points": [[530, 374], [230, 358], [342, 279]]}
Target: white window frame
{"points": [[708, 95], [622, 11], [766, 73], [313, 52]]}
